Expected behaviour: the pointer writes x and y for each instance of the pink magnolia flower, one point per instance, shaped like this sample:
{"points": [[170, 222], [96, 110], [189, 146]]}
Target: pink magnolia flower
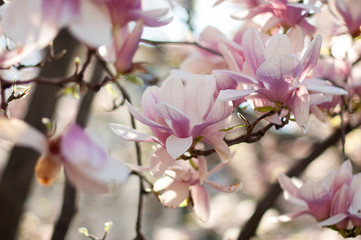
{"points": [[183, 178], [201, 61], [179, 115], [334, 201], [44, 18], [87, 165], [284, 14], [125, 42], [351, 14], [278, 76]]}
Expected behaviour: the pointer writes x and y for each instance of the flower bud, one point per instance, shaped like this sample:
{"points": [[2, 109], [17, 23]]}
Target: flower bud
{"points": [[47, 169]]}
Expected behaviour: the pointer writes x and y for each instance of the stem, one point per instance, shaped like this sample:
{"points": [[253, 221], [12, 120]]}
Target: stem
{"points": [[159, 43], [138, 226], [249, 229]]}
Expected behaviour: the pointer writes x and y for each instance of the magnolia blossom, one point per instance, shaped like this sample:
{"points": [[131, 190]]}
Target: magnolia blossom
{"points": [[87, 165], [351, 14], [184, 177], [278, 76], [179, 115], [37, 22], [125, 42], [279, 13], [334, 201]]}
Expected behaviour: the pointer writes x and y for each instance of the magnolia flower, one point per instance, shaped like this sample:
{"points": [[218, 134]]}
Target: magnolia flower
{"points": [[125, 42], [278, 76], [184, 177], [37, 22], [334, 201], [181, 114], [351, 14], [86, 165], [283, 14]]}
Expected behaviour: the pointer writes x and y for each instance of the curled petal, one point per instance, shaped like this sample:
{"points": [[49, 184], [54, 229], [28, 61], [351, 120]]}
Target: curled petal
{"points": [[333, 220], [201, 202], [126, 53]]}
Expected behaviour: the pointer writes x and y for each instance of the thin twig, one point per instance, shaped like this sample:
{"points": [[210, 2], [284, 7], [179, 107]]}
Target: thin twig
{"points": [[159, 43]]}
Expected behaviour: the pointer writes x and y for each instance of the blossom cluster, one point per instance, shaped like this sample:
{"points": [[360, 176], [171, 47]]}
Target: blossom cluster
{"points": [[334, 201], [272, 64]]}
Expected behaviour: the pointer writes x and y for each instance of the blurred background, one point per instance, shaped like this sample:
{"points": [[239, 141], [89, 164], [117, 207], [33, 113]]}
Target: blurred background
{"points": [[254, 165]]}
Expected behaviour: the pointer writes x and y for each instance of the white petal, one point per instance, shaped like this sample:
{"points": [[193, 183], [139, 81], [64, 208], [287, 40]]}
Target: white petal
{"points": [[92, 26], [21, 133], [131, 134]]}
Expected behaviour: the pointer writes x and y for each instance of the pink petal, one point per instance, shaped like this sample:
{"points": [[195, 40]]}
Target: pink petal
{"points": [[199, 96], [202, 168], [92, 26], [237, 76], [317, 86], [150, 99], [154, 17], [162, 183], [287, 184], [176, 146], [141, 118], [301, 107], [332, 220], [313, 192], [253, 49], [131, 134], [172, 92], [310, 57], [343, 176], [279, 69], [201, 202], [174, 195], [220, 146], [21, 133], [296, 37], [96, 180], [36, 31], [178, 121], [159, 162], [278, 44], [126, 53], [231, 95]]}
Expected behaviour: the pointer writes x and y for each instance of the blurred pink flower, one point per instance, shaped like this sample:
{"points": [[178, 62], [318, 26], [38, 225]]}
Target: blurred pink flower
{"points": [[284, 14], [87, 165], [180, 114], [350, 12], [125, 42], [44, 18], [334, 201], [184, 177]]}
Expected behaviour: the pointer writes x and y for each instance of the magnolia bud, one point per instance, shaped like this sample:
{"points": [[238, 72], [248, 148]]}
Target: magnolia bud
{"points": [[47, 169]]}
